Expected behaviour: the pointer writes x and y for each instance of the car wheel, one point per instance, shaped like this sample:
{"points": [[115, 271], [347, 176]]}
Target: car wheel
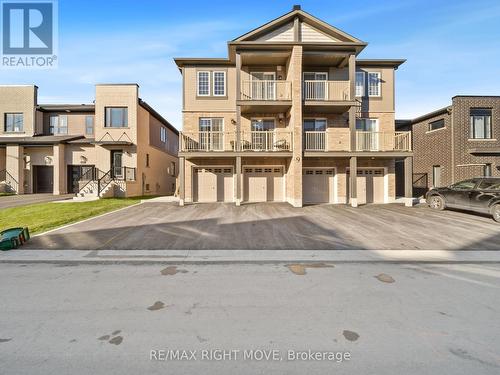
{"points": [[495, 212], [436, 202]]}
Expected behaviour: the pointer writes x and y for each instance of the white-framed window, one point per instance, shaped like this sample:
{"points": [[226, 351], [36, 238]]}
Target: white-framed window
{"points": [[480, 123], [14, 122], [367, 124], [360, 84], [89, 125], [163, 134], [116, 117], [374, 83], [315, 125], [211, 135], [264, 124], [219, 83], [58, 124], [203, 84], [435, 125]]}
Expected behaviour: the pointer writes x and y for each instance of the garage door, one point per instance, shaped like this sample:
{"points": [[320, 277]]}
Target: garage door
{"points": [[370, 185], [317, 185], [263, 184], [43, 179], [213, 185]]}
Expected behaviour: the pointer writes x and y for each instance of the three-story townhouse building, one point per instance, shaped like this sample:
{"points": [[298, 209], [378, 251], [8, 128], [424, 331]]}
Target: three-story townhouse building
{"points": [[116, 146], [291, 115]]}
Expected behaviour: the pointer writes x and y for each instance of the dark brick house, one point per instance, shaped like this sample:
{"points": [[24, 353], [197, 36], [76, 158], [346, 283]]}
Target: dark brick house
{"points": [[454, 143]]}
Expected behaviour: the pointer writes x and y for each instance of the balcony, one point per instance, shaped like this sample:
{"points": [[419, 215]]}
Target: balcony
{"points": [[326, 96], [383, 141], [220, 142], [338, 140], [265, 96]]}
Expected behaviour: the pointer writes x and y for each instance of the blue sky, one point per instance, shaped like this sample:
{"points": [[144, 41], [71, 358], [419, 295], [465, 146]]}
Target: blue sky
{"points": [[452, 47]]}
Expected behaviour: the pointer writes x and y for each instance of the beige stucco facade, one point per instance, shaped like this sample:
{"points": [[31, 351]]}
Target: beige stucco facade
{"points": [[280, 76], [62, 148]]}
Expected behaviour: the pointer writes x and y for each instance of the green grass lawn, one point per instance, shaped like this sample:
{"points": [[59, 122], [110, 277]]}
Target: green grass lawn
{"points": [[41, 217]]}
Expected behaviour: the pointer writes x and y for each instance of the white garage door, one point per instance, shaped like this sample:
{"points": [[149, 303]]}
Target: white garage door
{"points": [[370, 183], [317, 185], [213, 185], [263, 184]]}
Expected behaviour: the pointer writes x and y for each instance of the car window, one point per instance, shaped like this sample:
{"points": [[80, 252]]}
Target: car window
{"points": [[489, 185], [464, 185]]}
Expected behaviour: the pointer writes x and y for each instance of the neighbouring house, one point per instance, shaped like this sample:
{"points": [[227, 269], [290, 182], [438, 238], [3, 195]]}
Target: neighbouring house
{"points": [[117, 146], [291, 115], [455, 143]]}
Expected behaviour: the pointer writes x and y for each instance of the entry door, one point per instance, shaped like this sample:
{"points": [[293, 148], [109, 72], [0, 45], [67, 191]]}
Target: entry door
{"points": [[43, 179], [117, 163], [77, 173], [263, 85]]}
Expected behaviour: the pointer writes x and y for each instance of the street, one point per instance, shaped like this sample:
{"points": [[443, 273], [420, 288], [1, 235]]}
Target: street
{"points": [[117, 319]]}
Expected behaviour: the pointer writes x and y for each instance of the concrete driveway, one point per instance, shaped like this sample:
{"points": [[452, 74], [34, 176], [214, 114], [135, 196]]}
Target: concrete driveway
{"points": [[25, 199], [276, 226]]}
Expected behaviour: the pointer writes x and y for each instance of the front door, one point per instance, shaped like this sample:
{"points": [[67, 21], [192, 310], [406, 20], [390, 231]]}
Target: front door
{"points": [[43, 179], [117, 163], [77, 173]]}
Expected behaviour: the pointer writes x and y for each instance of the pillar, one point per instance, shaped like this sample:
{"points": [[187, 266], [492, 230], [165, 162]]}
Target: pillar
{"points": [[408, 167], [182, 180], [239, 193], [59, 163], [14, 165], [353, 186], [295, 167]]}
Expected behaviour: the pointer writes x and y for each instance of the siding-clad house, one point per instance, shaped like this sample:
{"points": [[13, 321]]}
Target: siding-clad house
{"points": [[291, 115], [116, 146]]}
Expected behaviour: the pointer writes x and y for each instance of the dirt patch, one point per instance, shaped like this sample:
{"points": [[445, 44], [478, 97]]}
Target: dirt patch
{"points": [[172, 270], [158, 305], [301, 269], [384, 278], [116, 340], [350, 335]]}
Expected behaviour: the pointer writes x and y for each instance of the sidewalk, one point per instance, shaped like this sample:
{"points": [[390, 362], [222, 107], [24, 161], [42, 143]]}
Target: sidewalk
{"points": [[246, 256]]}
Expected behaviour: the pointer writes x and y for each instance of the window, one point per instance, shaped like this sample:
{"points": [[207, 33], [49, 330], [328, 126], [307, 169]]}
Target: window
{"points": [[58, 124], [89, 125], [203, 83], [367, 124], [263, 125], [172, 168], [489, 185], [147, 160], [163, 134], [360, 83], [219, 83], [464, 185], [14, 122], [374, 84], [435, 125], [318, 125], [480, 123], [487, 170], [116, 117], [436, 175]]}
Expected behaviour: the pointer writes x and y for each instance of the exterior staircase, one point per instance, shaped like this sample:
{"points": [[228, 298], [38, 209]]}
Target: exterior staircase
{"points": [[8, 184], [97, 184]]}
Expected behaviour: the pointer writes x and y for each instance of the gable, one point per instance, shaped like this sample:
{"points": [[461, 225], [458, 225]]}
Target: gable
{"points": [[310, 34], [281, 34]]}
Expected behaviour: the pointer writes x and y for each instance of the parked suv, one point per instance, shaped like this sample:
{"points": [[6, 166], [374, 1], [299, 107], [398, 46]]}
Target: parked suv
{"points": [[476, 194]]}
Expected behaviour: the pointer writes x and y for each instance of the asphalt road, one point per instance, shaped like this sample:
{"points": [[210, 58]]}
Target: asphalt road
{"points": [[277, 226], [390, 319]]}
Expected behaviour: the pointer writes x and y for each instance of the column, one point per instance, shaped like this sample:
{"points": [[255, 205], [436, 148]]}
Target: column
{"points": [[182, 178], [295, 168], [238, 107], [353, 186], [59, 169], [238, 181], [408, 167], [14, 165], [352, 96]]}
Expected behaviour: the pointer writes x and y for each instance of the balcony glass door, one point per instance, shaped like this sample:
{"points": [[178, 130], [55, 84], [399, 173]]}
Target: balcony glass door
{"points": [[315, 85], [263, 134], [368, 134], [315, 134], [211, 134], [263, 85]]}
